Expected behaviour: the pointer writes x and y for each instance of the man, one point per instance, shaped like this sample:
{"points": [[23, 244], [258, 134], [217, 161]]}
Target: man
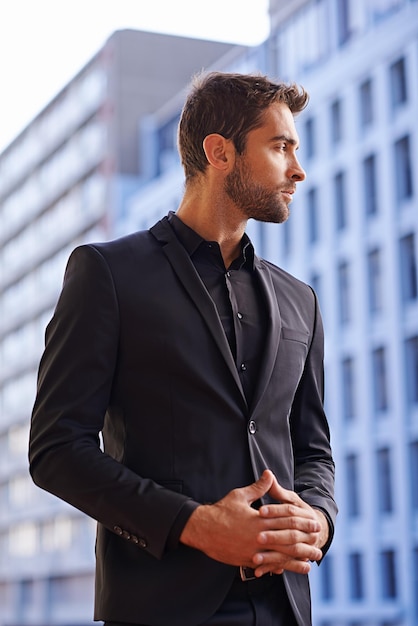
{"points": [[202, 365]]}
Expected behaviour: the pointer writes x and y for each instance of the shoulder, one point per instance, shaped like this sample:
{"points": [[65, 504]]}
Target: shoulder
{"points": [[285, 281], [123, 250]]}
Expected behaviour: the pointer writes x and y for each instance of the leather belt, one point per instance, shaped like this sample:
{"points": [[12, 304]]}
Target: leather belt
{"points": [[247, 573]]}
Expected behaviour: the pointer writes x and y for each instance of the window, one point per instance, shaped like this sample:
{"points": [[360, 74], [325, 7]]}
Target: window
{"points": [[352, 485], [384, 481], [413, 460], [343, 21], [366, 103], [415, 583], [336, 122], [380, 379], [370, 185], [23, 539], [67, 591], [411, 361], [340, 201], [26, 594], [287, 237], [310, 137], [375, 279], [316, 284], [313, 233], [327, 578], [398, 82], [344, 292], [356, 581], [388, 574], [348, 388], [403, 169], [408, 268]]}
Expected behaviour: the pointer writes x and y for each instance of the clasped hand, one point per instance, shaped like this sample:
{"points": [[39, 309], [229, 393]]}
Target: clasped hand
{"points": [[277, 537]]}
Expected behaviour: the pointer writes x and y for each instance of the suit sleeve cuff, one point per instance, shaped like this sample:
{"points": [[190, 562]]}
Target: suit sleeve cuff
{"points": [[179, 523], [326, 547]]}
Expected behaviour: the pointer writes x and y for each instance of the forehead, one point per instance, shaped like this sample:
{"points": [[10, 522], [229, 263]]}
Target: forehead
{"points": [[277, 122]]}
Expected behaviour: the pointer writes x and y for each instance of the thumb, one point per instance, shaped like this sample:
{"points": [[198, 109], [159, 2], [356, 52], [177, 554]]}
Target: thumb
{"points": [[260, 487]]}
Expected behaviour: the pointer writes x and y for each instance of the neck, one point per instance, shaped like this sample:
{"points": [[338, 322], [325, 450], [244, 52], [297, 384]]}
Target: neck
{"points": [[214, 219]]}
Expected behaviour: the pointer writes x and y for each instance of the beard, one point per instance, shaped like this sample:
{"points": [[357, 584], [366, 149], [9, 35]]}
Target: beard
{"points": [[254, 200]]}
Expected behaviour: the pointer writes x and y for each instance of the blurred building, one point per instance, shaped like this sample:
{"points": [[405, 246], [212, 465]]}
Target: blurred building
{"points": [[353, 235], [63, 181]]}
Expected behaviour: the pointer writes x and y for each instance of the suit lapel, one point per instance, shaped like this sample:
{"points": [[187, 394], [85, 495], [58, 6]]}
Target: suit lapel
{"points": [[186, 273], [272, 333]]}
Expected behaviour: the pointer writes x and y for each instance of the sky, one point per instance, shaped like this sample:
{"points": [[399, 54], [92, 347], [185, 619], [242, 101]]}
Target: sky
{"points": [[43, 43]]}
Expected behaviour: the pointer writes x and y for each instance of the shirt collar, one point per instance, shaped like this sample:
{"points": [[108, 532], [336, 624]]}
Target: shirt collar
{"points": [[191, 241]]}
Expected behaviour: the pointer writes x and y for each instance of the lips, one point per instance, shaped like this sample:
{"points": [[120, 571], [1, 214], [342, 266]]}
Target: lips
{"points": [[289, 193]]}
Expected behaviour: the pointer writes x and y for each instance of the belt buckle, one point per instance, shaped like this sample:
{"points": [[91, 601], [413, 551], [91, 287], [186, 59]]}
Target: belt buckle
{"points": [[247, 573]]}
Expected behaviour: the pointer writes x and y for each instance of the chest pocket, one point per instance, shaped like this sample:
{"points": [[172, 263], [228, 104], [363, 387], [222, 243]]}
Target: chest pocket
{"points": [[291, 334]]}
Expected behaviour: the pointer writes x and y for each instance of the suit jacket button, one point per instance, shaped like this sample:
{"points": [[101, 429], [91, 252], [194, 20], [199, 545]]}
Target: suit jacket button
{"points": [[118, 530], [252, 427]]}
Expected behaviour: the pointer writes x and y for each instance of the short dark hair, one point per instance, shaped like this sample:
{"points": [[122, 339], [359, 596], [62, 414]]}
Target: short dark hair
{"points": [[231, 105]]}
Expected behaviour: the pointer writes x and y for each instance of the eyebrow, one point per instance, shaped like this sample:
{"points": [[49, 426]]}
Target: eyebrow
{"points": [[289, 140]]}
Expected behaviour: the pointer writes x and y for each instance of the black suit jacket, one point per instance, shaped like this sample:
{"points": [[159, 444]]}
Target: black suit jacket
{"points": [[136, 349]]}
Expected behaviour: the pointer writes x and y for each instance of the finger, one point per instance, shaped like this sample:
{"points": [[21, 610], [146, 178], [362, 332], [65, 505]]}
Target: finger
{"points": [[285, 495], [259, 488], [294, 543], [282, 520], [291, 516], [276, 556], [299, 567]]}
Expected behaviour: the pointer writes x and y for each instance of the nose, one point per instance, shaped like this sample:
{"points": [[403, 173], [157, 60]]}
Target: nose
{"points": [[296, 171]]}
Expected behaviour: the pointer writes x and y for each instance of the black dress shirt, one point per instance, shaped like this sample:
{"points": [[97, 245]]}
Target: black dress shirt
{"points": [[237, 297]]}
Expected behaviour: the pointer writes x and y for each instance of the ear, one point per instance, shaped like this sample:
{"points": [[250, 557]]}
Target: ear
{"points": [[220, 152]]}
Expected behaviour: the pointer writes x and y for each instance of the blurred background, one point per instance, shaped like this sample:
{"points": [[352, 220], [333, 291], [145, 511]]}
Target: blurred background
{"points": [[90, 103]]}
